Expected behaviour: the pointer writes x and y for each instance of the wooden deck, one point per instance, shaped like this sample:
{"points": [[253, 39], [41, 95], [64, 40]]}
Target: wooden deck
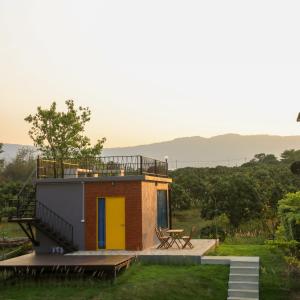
{"points": [[60, 263], [162, 256]]}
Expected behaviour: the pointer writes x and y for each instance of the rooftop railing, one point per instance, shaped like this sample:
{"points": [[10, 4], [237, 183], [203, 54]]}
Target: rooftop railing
{"points": [[100, 166]]}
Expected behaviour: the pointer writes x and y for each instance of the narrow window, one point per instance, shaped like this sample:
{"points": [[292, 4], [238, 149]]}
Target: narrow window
{"points": [[162, 209]]}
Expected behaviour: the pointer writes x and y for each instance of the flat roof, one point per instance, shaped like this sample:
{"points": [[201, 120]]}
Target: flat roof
{"points": [[105, 179]]}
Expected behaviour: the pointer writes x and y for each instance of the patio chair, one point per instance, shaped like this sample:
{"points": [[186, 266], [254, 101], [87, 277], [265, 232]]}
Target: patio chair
{"points": [[163, 239], [187, 238]]}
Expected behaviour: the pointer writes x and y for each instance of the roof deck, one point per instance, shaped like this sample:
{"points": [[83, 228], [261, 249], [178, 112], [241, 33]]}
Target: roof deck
{"points": [[95, 167]]}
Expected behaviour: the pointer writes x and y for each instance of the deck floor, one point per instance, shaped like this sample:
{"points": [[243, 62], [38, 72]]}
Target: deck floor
{"points": [[43, 260], [171, 255], [32, 261]]}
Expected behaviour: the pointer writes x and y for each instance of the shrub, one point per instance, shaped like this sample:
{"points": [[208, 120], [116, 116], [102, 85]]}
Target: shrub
{"points": [[8, 212], [213, 232], [289, 214]]}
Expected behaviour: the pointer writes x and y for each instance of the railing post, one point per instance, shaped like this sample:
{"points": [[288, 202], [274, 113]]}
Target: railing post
{"points": [[38, 167], [141, 165], [167, 167], [155, 167]]}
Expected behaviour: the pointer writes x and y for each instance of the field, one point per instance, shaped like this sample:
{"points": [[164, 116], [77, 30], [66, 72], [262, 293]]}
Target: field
{"points": [[142, 281], [150, 282], [10, 230]]}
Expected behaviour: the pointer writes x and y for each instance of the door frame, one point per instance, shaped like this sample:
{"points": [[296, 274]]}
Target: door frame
{"points": [[97, 210]]}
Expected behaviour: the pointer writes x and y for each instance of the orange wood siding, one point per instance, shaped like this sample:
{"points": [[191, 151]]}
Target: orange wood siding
{"points": [[149, 211]]}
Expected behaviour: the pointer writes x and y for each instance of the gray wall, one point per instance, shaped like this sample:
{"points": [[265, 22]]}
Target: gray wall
{"points": [[66, 200]]}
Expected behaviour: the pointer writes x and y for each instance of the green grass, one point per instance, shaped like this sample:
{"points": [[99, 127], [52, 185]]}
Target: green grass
{"points": [[162, 281], [275, 282], [10, 230], [151, 282]]}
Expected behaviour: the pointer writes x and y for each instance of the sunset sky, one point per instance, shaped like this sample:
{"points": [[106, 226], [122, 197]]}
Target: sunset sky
{"points": [[152, 71]]}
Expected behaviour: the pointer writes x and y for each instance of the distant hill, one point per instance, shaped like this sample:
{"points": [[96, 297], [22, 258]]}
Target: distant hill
{"points": [[228, 149]]}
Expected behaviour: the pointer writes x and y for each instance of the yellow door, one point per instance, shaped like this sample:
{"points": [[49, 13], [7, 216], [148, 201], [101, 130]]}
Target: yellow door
{"points": [[115, 222]]}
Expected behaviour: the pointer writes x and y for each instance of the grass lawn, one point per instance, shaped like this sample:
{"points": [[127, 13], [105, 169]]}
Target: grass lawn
{"points": [[10, 230], [275, 282], [138, 282]]}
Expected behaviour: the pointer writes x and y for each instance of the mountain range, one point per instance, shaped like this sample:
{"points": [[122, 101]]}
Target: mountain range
{"points": [[196, 151]]}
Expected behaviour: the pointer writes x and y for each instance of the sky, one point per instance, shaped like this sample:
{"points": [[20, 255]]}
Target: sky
{"points": [[152, 71]]}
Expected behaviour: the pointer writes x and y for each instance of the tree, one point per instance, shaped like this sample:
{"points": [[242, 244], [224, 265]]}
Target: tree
{"points": [[21, 167], [181, 199], [1, 160], [289, 214], [262, 158], [289, 156], [59, 135], [236, 196]]}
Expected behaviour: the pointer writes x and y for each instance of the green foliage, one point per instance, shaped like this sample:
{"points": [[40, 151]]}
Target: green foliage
{"points": [[235, 196], [250, 191], [275, 282], [1, 160], [262, 158], [213, 232], [21, 167], [181, 199], [59, 135], [289, 214], [7, 212], [143, 282], [289, 156], [290, 248]]}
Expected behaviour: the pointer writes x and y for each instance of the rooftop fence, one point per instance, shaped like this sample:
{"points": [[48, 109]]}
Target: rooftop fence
{"points": [[101, 166]]}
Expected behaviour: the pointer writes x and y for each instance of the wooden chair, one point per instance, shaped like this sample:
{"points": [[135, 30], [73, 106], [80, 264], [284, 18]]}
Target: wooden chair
{"points": [[164, 239], [187, 238]]}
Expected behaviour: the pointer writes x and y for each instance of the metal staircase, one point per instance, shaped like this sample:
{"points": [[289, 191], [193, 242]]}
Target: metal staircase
{"points": [[31, 213]]}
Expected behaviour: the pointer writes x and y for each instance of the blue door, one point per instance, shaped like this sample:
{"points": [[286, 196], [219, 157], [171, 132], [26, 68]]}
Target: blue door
{"points": [[101, 223]]}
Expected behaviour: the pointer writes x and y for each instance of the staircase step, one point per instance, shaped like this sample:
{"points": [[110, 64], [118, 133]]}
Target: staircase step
{"points": [[243, 285], [243, 293], [244, 264], [215, 260], [244, 277], [244, 270]]}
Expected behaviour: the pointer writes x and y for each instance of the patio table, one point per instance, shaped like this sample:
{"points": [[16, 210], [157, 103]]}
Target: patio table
{"points": [[175, 236]]}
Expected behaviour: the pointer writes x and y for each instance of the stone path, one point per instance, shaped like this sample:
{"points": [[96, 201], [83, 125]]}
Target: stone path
{"points": [[243, 277]]}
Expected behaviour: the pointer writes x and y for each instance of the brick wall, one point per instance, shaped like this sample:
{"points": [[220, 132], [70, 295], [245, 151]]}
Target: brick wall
{"points": [[132, 191]]}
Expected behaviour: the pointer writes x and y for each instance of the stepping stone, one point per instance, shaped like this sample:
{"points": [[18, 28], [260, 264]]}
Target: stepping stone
{"points": [[244, 278], [243, 285], [241, 298], [244, 270], [243, 293]]}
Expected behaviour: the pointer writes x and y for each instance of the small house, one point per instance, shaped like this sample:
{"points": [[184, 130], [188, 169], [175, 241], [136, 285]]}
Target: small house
{"points": [[110, 203]]}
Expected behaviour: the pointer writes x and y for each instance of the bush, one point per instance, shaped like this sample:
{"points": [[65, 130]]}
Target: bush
{"points": [[7, 212], [289, 214], [213, 232]]}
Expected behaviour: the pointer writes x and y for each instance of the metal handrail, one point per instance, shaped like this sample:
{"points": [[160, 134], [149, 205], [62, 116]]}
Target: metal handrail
{"points": [[54, 221], [100, 166]]}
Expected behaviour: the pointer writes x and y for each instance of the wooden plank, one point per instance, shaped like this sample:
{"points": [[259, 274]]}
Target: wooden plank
{"points": [[32, 260]]}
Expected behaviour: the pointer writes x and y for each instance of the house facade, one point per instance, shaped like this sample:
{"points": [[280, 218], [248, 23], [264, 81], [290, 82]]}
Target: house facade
{"points": [[113, 205]]}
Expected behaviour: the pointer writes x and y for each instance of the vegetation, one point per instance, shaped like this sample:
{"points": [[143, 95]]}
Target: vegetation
{"points": [[243, 194], [59, 135], [289, 214], [138, 282], [276, 282]]}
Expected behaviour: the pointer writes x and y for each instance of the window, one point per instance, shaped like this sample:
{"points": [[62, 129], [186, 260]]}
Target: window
{"points": [[162, 209]]}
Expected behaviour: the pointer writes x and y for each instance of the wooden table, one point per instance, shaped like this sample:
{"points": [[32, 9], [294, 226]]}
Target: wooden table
{"points": [[175, 236]]}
